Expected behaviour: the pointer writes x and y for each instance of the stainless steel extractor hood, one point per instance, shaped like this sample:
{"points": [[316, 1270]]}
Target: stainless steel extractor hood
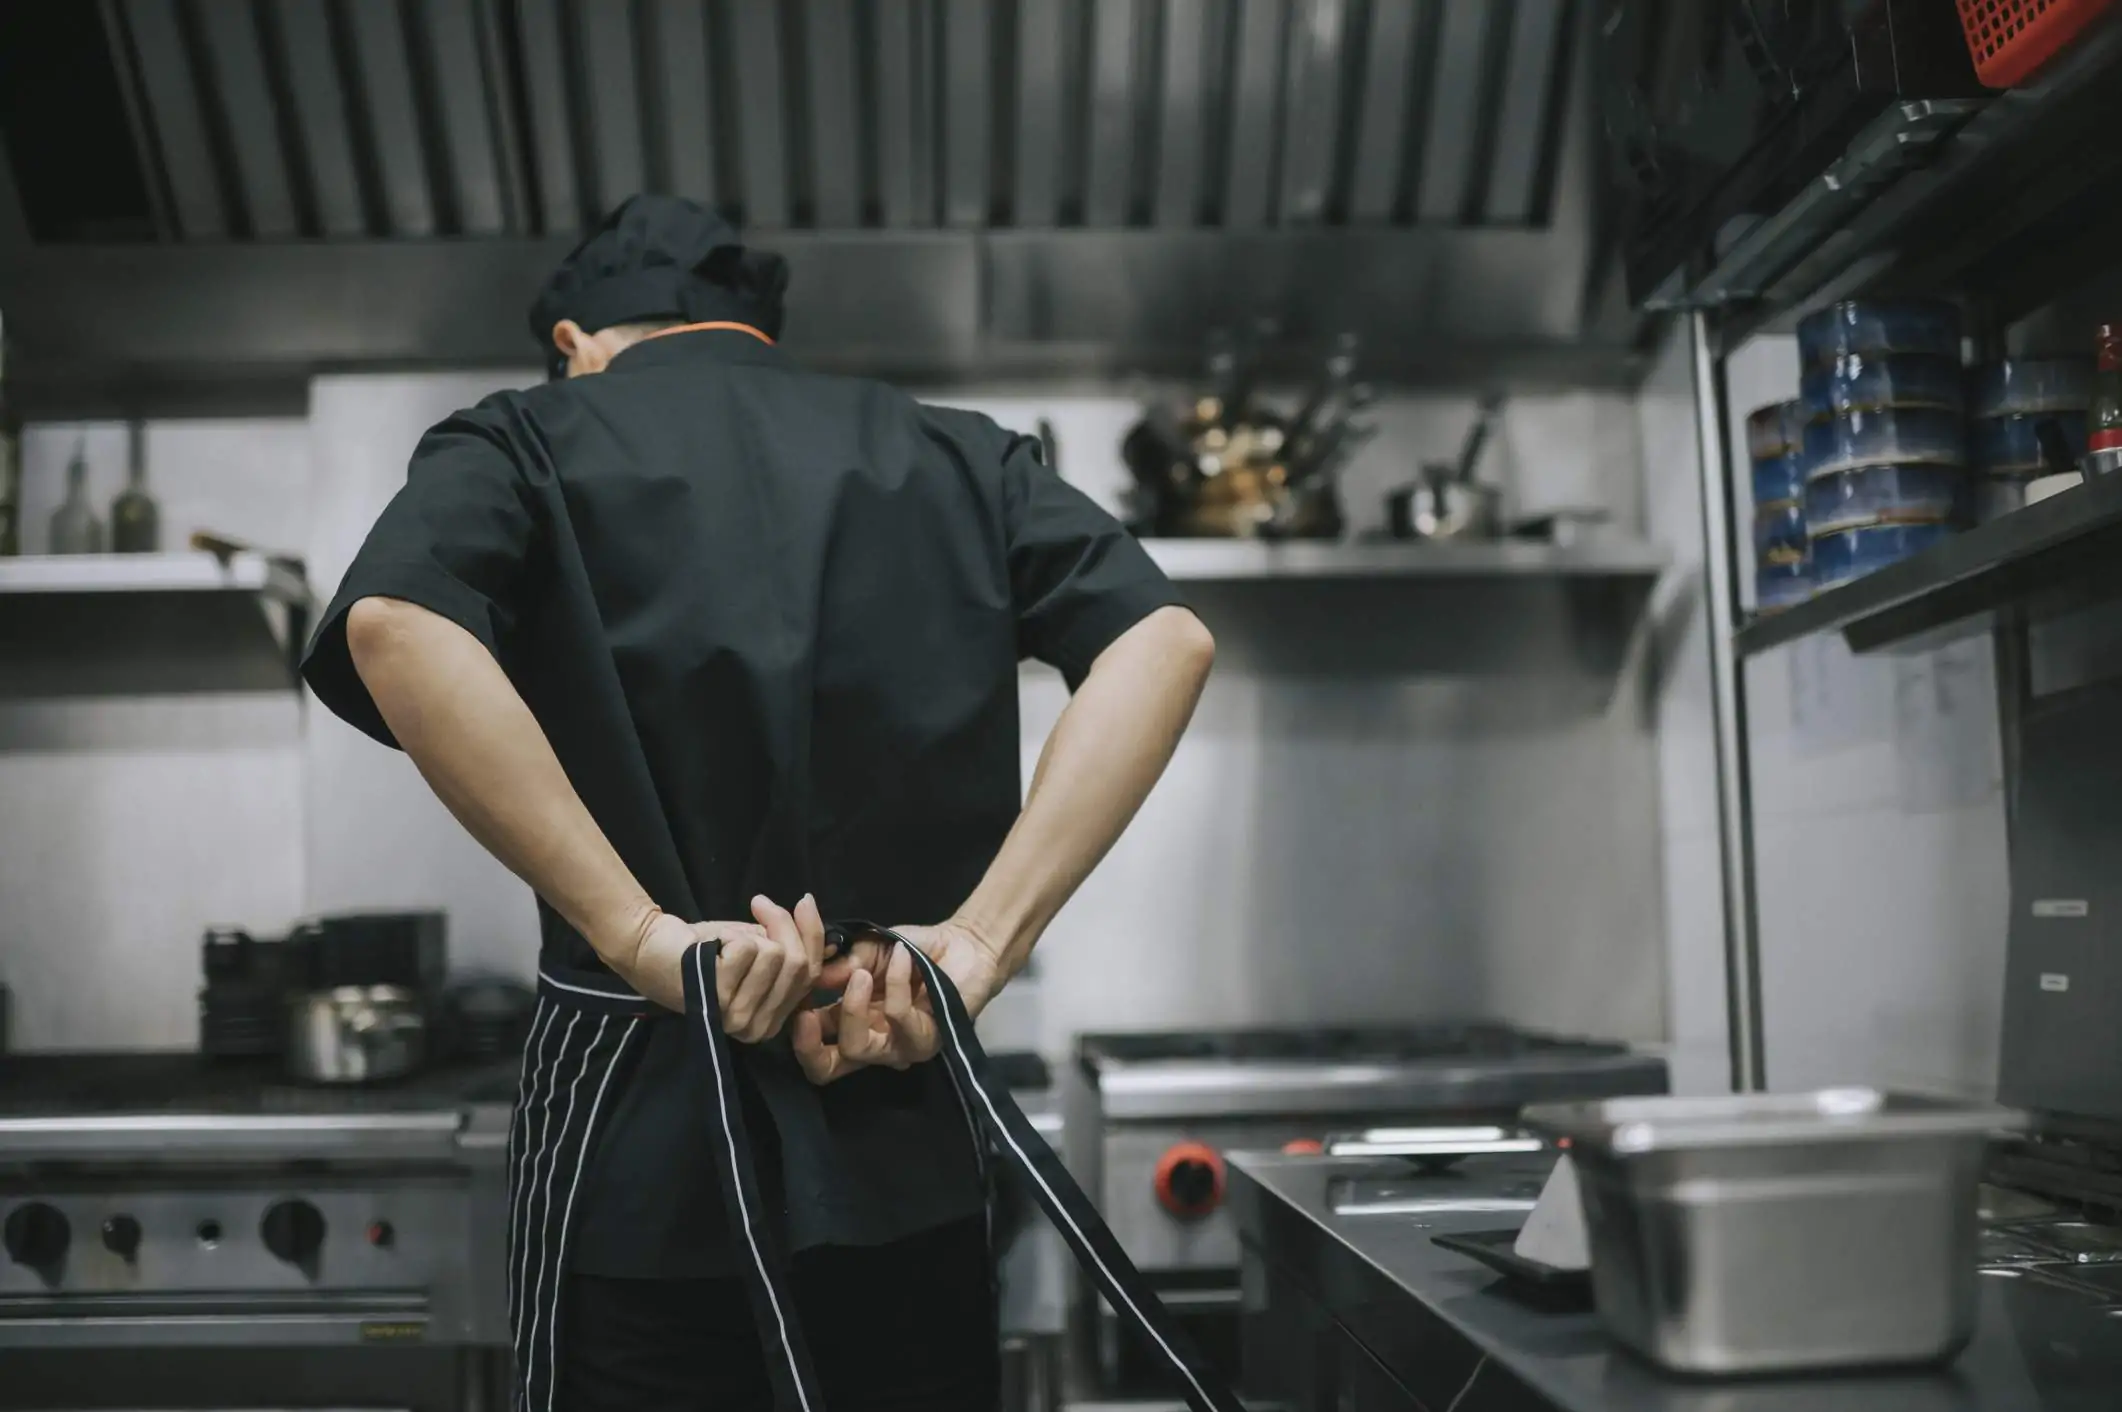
{"points": [[963, 187]]}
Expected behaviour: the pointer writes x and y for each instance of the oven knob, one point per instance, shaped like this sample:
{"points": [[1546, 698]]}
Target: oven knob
{"points": [[121, 1237], [1190, 1180], [37, 1235], [293, 1230]]}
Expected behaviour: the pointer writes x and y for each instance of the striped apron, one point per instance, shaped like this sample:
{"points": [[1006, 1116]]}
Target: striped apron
{"points": [[582, 1035]]}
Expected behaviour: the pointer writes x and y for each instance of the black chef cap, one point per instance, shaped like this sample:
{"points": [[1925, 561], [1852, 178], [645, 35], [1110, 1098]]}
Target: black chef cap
{"points": [[660, 257]]}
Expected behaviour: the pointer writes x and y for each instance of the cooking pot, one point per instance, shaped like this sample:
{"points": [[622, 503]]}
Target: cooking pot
{"points": [[356, 1034]]}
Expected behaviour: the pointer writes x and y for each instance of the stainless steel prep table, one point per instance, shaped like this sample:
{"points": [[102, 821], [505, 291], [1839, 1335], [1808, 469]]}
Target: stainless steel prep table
{"points": [[1363, 1312]]}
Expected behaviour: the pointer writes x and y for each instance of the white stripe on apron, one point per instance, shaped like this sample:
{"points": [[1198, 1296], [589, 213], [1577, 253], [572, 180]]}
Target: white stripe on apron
{"points": [[539, 1227]]}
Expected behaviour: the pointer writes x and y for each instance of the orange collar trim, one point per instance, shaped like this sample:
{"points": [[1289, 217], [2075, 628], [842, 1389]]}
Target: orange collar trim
{"points": [[718, 323]]}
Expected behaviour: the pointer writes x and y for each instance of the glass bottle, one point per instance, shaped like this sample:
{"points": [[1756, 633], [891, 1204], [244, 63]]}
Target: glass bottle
{"points": [[2103, 447], [75, 528], [136, 523]]}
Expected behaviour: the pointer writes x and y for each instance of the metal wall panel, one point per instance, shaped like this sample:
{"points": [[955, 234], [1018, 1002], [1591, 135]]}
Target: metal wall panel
{"points": [[1256, 113], [326, 149], [1041, 43], [1524, 112], [613, 98], [835, 149], [551, 138], [762, 136], [1182, 137], [680, 85], [906, 147], [968, 60], [1454, 124], [236, 67], [174, 107], [1311, 132], [386, 79], [1111, 154], [1389, 82], [462, 90]]}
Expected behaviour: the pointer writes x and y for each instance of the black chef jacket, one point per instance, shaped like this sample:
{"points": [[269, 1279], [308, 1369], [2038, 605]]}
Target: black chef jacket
{"points": [[770, 621]]}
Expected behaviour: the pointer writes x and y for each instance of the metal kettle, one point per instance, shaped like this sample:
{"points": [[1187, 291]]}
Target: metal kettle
{"points": [[1445, 501], [354, 1034]]}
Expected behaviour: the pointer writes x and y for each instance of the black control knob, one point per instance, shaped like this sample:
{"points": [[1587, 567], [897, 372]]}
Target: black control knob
{"points": [[293, 1230], [37, 1235], [1189, 1180], [121, 1237], [1194, 1183]]}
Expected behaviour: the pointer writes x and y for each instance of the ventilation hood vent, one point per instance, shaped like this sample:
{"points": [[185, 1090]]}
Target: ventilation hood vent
{"points": [[1430, 154]]}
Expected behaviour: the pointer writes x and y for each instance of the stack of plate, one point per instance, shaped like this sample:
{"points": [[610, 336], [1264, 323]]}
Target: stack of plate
{"points": [[1775, 439], [1885, 452], [2012, 400]]}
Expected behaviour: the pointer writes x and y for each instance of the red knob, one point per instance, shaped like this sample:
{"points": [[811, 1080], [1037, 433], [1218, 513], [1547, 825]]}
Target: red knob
{"points": [[1190, 1180], [1303, 1147]]}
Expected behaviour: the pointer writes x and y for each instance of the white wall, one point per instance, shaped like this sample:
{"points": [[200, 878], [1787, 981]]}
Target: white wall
{"points": [[1319, 851], [129, 825], [1878, 814], [1879, 826], [374, 835]]}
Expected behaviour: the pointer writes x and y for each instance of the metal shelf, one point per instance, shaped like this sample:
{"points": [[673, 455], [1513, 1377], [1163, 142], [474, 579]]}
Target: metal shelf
{"points": [[2068, 539], [2007, 198], [1464, 610], [1210, 560], [98, 624]]}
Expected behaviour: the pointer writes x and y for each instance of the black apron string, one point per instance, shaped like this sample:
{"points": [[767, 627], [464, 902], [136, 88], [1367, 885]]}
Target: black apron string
{"points": [[990, 1112], [765, 1263]]}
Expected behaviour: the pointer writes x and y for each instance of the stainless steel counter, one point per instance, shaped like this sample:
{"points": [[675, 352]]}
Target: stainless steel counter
{"points": [[1362, 1311]]}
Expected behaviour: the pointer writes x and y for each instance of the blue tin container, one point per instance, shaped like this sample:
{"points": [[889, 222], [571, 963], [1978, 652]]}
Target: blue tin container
{"points": [[1879, 326], [1779, 533], [1883, 495], [1861, 382], [2016, 386], [1896, 437], [1775, 430], [2011, 446], [1780, 586], [1779, 478], [1851, 554]]}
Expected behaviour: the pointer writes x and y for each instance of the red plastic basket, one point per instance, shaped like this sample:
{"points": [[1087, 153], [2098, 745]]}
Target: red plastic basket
{"points": [[2012, 38]]}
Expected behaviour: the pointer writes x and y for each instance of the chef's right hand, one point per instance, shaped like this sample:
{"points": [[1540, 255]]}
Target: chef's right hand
{"points": [[764, 969], [766, 972]]}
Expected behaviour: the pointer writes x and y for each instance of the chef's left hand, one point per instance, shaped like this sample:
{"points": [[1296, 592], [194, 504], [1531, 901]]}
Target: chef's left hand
{"points": [[903, 1030]]}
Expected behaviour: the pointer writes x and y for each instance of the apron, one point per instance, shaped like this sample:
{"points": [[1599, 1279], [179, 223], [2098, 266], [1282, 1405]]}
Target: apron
{"points": [[584, 1030]]}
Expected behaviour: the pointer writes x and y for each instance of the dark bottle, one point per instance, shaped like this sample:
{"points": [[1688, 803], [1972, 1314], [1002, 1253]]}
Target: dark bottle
{"points": [[136, 525], [2103, 448], [75, 528]]}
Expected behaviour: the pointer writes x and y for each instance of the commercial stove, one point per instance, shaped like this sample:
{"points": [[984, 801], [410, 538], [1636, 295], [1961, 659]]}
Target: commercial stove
{"points": [[182, 1232], [199, 1233], [1158, 1111]]}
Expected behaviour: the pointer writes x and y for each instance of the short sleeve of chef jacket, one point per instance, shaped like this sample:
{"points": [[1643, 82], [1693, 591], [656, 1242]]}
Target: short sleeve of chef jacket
{"points": [[1078, 579], [453, 540]]}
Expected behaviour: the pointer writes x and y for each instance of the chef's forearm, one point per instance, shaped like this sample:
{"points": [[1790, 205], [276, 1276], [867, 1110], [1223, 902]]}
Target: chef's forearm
{"points": [[1106, 752], [463, 724]]}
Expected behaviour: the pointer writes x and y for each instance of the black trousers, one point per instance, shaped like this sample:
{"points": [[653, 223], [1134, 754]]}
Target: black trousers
{"points": [[907, 1327]]}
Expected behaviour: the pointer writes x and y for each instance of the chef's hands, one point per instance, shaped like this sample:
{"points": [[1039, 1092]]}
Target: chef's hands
{"points": [[886, 1016], [764, 968], [764, 973]]}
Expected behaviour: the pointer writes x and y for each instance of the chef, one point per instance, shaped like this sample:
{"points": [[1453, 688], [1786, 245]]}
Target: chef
{"points": [[709, 649]]}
